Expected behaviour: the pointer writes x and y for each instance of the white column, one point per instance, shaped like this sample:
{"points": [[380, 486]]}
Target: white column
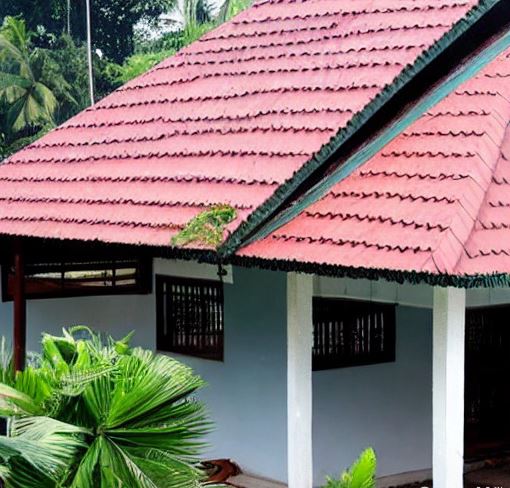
{"points": [[448, 384], [299, 379]]}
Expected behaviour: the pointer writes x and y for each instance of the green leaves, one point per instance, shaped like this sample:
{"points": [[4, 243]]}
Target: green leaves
{"points": [[30, 102], [14, 402], [360, 475], [207, 228], [120, 417], [38, 451]]}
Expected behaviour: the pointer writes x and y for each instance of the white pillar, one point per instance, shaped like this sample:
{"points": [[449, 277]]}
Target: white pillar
{"points": [[448, 384], [299, 380]]}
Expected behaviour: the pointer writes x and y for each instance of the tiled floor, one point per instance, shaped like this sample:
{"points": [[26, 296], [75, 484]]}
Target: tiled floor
{"points": [[483, 478]]}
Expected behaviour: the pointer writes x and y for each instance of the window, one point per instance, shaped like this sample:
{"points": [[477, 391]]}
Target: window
{"points": [[352, 333], [80, 278], [190, 316]]}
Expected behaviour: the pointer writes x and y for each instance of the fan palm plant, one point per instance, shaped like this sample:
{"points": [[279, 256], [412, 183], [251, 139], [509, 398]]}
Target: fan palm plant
{"points": [[101, 414]]}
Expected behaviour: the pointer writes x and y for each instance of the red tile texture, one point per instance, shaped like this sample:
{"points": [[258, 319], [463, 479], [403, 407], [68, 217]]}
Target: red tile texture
{"points": [[228, 120], [434, 200]]}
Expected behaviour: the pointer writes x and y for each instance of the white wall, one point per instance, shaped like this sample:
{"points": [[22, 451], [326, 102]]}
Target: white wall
{"points": [[246, 394]]}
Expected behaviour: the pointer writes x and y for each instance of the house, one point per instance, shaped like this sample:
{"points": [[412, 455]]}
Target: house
{"points": [[360, 296]]}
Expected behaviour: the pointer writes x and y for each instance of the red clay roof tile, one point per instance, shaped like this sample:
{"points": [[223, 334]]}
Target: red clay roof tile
{"points": [[233, 116], [434, 200]]}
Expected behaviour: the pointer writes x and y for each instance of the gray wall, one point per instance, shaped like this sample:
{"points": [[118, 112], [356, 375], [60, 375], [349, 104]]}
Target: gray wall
{"points": [[385, 406], [115, 314], [247, 393]]}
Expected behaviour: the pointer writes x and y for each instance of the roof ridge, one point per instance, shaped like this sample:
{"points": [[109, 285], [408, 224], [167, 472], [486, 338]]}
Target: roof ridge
{"points": [[344, 13], [483, 201]]}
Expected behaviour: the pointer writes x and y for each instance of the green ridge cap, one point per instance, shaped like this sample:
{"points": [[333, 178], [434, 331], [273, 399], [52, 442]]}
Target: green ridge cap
{"points": [[232, 244]]}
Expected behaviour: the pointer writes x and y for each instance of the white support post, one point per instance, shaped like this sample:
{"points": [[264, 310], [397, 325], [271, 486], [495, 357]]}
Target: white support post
{"points": [[448, 384], [299, 380]]}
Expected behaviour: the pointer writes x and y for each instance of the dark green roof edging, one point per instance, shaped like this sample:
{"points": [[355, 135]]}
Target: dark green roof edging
{"points": [[325, 154], [412, 277]]}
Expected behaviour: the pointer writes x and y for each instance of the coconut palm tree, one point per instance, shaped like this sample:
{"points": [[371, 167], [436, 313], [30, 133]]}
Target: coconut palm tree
{"points": [[229, 8], [101, 414], [28, 97]]}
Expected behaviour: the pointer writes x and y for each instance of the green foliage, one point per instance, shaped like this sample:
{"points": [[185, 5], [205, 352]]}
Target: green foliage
{"points": [[96, 413], [113, 20], [6, 364], [24, 91], [49, 13], [39, 87], [207, 228], [231, 8], [360, 475], [69, 61], [34, 93], [135, 65]]}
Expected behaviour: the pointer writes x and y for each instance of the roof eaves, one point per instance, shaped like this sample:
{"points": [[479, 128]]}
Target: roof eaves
{"points": [[399, 276], [364, 118]]}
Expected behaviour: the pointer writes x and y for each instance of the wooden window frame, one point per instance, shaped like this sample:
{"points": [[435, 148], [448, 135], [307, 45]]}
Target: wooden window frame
{"points": [[167, 342], [350, 308], [143, 277]]}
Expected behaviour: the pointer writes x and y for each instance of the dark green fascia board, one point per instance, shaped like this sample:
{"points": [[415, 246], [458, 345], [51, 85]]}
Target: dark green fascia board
{"points": [[493, 280], [463, 74], [372, 110]]}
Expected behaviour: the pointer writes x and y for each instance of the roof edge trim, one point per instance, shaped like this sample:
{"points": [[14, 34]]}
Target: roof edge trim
{"points": [[360, 119], [412, 277]]}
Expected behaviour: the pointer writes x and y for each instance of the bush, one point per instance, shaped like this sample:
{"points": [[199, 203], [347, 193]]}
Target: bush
{"points": [[134, 66], [93, 413]]}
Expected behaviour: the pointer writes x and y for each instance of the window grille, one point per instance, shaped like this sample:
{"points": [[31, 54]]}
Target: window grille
{"points": [[352, 333], [190, 316]]}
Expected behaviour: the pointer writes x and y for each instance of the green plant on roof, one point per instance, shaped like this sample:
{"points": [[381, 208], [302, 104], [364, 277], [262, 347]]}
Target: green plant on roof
{"points": [[207, 228], [97, 413], [360, 475]]}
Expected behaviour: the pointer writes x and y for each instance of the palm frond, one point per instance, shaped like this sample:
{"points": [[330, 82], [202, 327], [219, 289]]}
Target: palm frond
{"points": [[14, 402], [45, 444]]}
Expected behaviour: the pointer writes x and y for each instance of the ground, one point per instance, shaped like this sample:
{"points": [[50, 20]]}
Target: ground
{"points": [[498, 477]]}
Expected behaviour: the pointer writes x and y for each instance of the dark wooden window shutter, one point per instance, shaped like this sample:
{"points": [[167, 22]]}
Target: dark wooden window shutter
{"points": [[190, 316], [352, 333]]}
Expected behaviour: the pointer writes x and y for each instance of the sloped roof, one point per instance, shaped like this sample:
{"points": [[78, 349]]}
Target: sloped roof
{"points": [[227, 120], [436, 200]]}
